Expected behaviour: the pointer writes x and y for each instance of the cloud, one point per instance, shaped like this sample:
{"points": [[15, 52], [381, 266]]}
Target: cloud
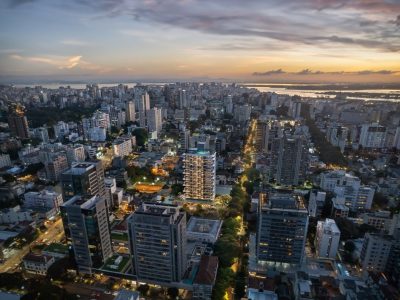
{"points": [[15, 3], [268, 73], [311, 72], [360, 23], [10, 51], [74, 43], [61, 62]]}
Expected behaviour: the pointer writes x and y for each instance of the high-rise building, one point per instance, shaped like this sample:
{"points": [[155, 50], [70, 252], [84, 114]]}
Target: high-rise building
{"points": [[42, 134], [242, 113], [56, 167], [295, 109], [83, 178], [144, 106], [154, 120], [182, 99], [288, 159], [228, 104], [373, 136], [282, 229], [87, 228], [75, 153], [157, 239], [327, 238], [60, 130], [262, 136], [184, 138], [17, 121], [316, 203], [199, 175], [375, 252], [130, 111]]}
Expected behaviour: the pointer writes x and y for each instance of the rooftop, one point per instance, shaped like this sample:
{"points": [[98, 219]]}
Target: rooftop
{"points": [[85, 203], [157, 209], [80, 168], [116, 263], [208, 268], [56, 248], [39, 258], [205, 226], [283, 201], [127, 295]]}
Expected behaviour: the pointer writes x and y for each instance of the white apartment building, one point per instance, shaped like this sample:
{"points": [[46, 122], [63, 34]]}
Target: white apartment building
{"points": [[348, 187], [130, 111], [373, 136], [199, 175], [75, 153], [37, 264], [144, 107], [316, 203], [154, 120], [327, 239], [15, 215], [5, 160], [97, 134], [44, 198], [61, 129], [375, 252], [123, 145], [380, 219]]}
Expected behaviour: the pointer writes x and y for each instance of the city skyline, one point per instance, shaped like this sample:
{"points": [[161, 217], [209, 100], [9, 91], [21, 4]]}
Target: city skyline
{"points": [[323, 41]]}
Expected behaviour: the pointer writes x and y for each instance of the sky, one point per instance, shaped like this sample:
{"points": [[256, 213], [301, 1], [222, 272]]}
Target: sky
{"points": [[228, 40]]}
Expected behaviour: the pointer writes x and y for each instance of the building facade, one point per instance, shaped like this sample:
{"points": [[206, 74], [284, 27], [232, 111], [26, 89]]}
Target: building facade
{"points": [[282, 229], [83, 178], [327, 239], [199, 175], [375, 252], [157, 239], [87, 229], [288, 159]]}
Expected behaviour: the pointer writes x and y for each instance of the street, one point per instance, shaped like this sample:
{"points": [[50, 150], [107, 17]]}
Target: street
{"points": [[55, 232]]}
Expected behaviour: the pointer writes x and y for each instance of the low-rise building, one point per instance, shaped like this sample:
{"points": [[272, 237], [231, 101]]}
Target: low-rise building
{"points": [[205, 279], [203, 230], [44, 198], [37, 264], [15, 215]]}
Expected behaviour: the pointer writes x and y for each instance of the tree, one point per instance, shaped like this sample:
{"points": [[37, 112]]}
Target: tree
{"points": [[176, 189], [32, 169], [141, 136], [9, 177], [380, 200], [249, 186], [58, 270], [143, 289], [349, 246], [240, 287], [252, 174], [173, 292], [225, 278]]}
